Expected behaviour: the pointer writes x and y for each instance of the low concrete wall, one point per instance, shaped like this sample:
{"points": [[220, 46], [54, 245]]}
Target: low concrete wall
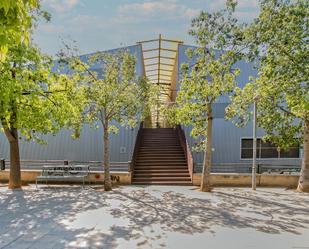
{"points": [[235, 179], [217, 179], [29, 176]]}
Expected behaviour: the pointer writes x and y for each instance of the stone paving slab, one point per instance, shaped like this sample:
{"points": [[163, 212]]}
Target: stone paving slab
{"points": [[54, 217]]}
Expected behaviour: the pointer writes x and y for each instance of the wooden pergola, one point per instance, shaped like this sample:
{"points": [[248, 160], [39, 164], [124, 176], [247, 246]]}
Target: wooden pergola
{"points": [[160, 66]]}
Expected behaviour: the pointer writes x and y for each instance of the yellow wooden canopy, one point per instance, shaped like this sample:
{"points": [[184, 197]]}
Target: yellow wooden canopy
{"points": [[160, 64]]}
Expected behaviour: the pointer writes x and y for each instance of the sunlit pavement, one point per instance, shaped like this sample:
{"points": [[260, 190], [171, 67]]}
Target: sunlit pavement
{"points": [[153, 217]]}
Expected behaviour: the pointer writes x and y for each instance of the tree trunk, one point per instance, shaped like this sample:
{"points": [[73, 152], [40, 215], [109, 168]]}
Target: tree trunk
{"points": [[15, 176], [107, 177], [303, 184], [205, 181]]}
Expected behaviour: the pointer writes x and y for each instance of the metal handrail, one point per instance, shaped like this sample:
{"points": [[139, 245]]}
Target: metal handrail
{"points": [[186, 148], [136, 146]]}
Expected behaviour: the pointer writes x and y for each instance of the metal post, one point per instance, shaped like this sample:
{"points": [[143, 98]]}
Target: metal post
{"points": [[2, 164], [159, 61], [254, 148]]}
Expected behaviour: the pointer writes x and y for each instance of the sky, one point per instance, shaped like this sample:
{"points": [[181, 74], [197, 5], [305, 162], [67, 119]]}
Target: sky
{"points": [[98, 25]]}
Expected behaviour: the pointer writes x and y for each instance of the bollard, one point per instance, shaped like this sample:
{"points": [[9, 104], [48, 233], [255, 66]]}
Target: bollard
{"points": [[66, 162], [2, 164], [259, 169]]}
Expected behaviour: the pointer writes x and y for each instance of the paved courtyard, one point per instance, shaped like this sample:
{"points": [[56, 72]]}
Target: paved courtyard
{"points": [[153, 217]]}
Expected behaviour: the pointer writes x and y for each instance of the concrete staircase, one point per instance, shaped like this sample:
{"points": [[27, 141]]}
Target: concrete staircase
{"points": [[160, 159]]}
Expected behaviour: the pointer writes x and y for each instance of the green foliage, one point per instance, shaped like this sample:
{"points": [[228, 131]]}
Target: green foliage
{"points": [[113, 94], [15, 23], [212, 73], [32, 98], [148, 96], [279, 36]]}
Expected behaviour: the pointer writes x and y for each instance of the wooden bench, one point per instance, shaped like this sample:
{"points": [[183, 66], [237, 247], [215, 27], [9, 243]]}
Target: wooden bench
{"points": [[63, 173]]}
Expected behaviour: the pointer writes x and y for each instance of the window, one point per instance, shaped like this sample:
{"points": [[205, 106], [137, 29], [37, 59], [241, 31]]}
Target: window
{"points": [[247, 148], [266, 150]]}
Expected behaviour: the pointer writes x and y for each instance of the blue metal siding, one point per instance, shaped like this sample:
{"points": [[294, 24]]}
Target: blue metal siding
{"points": [[226, 136], [89, 147], [226, 145]]}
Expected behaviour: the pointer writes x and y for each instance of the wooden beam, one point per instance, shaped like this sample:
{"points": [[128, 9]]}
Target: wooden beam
{"points": [[150, 58], [149, 50], [152, 64], [174, 41], [166, 70], [170, 50], [152, 70], [168, 58], [165, 81], [151, 75], [153, 40], [167, 64], [165, 75]]}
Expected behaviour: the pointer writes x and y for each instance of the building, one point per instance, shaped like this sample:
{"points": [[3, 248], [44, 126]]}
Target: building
{"points": [[160, 60]]}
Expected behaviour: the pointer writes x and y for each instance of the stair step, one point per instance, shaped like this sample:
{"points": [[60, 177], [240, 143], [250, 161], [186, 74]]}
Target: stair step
{"points": [[170, 148], [166, 155], [171, 141], [160, 144], [167, 162], [147, 165], [158, 130], [158, 139], [170, 171], [159, 160], [181, 175], [163, 179], [160, 157], [162, 151], [160, 168], [163, 155], [169, 183], [161, 134]]}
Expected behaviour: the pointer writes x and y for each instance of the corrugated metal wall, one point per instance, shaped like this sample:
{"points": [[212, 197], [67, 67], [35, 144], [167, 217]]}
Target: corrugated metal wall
{"points": [[226, 136], [89, 147]]}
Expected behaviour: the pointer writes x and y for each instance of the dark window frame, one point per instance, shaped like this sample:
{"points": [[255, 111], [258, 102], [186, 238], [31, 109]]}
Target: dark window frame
{"points": [[294, 150]]}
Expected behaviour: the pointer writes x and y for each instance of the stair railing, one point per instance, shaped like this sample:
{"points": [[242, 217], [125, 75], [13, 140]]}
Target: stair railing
{"points": [[184, 144], [136, 146]]}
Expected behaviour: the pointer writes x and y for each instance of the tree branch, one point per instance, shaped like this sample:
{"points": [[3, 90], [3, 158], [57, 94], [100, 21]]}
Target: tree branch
{"points": [[7, 130], [286, 111]]}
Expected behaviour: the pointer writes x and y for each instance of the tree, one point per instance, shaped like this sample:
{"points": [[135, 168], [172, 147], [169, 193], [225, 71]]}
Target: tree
{"points": [[279, 37], [33, 101], [16, 19], [212, 75], [148, 95], [113, 93]]}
